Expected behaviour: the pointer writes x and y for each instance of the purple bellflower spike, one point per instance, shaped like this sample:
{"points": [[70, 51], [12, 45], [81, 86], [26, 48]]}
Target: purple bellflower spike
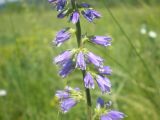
{"points": [[63, 57], [67, 68], [113, 115], [62, 36], [88, 80], [74, 17], [90, 14], [103, 83], [101, 40], [67, 104], [81, 61], [106, 70], [96, 60]]}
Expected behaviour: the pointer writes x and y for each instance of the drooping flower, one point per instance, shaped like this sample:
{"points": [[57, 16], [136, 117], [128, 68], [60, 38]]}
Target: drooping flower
{"points": [[62, 14], [101, 109], [105, 70], [67, 68], [96, 60], [88, 80], [81, 61], [100, 103], [62, 36], [101, 40], [60, 4], [74, 17], [90, 14], [67, 104], [113, 115], [62, 94], [63, 57], [68, 98], [103, 83]]}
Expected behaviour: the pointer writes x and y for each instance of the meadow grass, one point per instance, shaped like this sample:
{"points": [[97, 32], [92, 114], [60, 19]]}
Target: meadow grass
{"points": [[28, 74]]}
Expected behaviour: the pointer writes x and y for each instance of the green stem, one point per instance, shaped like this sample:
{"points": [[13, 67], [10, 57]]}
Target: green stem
{"points": [[80, 44], [88, 98]]}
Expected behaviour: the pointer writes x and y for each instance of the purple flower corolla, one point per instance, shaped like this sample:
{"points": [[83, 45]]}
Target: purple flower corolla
{"points": [[101, 40], [106, 70], [63, 57], [67, 68], [60, 4], [62, 14], [90, 14], [96, 60], [62, 36], [74, 17], [88, 80], [68, 98], [62, 94], [113, 115], [103, 83], [100, 103], [81, 61], [67, 104]]}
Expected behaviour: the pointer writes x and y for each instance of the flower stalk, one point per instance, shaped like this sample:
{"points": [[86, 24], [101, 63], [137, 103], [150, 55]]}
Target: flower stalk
{"points": [[80, 45]]}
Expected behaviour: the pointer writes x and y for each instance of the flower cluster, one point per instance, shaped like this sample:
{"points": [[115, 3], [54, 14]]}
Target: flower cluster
{"points": [[81, 58], [105, 114], [68, 98]]}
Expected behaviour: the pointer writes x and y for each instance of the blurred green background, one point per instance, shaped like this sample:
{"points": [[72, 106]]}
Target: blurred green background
{"points": [[29, 77]]}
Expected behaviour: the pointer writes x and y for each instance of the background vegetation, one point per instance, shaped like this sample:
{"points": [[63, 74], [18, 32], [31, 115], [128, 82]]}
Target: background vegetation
{"points": [[30, 78]]}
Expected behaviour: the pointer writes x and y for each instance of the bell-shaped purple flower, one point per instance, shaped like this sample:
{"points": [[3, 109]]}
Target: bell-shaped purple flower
{"points": [[67, 68], [62, 36], [101, 40], [74, 17], [63, 57], [62, 14], [60, 4], [81, 61], [100, 102], [62, 94], [96, 60], [90, 14], [113, 115], [103, 83], [106, 70], [68, 98], [88, 80], [67, 104]]}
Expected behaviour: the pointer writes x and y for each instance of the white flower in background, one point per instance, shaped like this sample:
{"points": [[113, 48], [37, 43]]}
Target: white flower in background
{"points": [[152, 34], [143, 29], [3, 93]]}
